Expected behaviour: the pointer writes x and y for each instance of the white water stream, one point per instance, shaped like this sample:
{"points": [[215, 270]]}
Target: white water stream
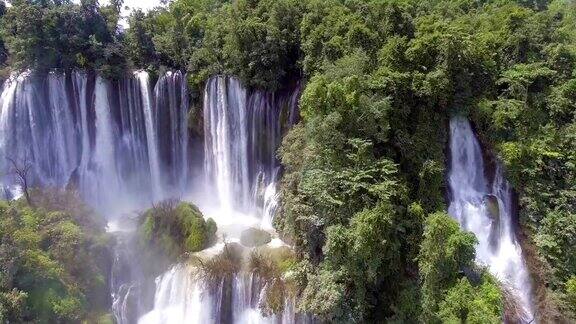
{"points": [[486, 210]]}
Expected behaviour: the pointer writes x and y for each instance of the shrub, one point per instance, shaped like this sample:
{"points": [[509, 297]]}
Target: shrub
{"points": [[223, 266], [54, 259], [571, 293], [175, 228]]}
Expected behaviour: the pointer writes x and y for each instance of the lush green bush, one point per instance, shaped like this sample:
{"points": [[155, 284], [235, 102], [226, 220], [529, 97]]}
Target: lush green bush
{"points": [[571, 292], [445, 253], [55, 260], [175, 228], [467, 303]]}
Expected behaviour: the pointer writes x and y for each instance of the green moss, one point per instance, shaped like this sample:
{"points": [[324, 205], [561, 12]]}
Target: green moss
{"points": [[175, 228], [197, 235], [211, 229]]}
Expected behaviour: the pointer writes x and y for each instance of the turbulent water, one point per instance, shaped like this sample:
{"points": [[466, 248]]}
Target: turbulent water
{"points": [[182, 298], [101, 137], [486, 209]]}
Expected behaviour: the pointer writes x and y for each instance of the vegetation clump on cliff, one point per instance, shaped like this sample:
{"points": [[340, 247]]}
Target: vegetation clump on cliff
{"points": [[175, 228], [55, 259]]}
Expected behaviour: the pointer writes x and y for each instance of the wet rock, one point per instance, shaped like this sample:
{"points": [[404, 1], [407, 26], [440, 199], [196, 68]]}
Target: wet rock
{"points": [[492, 207], [253, 237], [493, 212]]}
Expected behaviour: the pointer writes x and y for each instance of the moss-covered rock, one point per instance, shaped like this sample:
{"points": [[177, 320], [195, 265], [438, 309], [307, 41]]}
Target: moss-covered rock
{"points": [[175, 228], [253, 237]]}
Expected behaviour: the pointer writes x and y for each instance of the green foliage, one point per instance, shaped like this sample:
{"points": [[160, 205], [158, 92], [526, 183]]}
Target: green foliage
{"points": [[258, 41], [53, 264], [556, 239], [571, 293], [324, 296], [465, 303], [55, 34], [174, 228], [444, 253], [139, 44]]}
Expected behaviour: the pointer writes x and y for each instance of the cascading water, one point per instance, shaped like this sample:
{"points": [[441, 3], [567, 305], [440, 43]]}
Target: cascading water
{"points": [[270, 115], [102, 179], [124, 146], [151, 137], [226, 141], [171, 93], [37, 126], [182, 298], [486, 210], [242, 133], [100, 136], [242, 130]]}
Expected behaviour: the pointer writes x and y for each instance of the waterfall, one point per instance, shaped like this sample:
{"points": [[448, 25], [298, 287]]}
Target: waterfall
{"points": [[6, 123], [226, 141], [102, 137], [102, 179], [62, 126], [486, 210], [179, 298], [243, 129], [150, 119], [125, 144], [182, 297], [37, 126], [80, 85], [171, 115]]}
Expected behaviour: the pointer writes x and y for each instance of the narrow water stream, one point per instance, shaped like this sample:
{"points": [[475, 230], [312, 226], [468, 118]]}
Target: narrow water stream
{"points": [[486, 210]]}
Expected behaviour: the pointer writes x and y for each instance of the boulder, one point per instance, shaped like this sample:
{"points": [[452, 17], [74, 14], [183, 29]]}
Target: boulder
{"points": [[254, 237], [492, 207]]}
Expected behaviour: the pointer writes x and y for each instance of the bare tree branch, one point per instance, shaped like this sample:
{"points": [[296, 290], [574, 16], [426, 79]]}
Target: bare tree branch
{"points": [[22, 169]]}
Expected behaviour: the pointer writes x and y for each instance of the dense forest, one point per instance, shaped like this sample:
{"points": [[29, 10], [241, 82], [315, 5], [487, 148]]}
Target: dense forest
{"points": [[364, 192]]}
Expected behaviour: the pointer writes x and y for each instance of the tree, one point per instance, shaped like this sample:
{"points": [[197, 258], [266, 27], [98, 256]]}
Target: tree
{"points": [[445, 252], [22, 170]]}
